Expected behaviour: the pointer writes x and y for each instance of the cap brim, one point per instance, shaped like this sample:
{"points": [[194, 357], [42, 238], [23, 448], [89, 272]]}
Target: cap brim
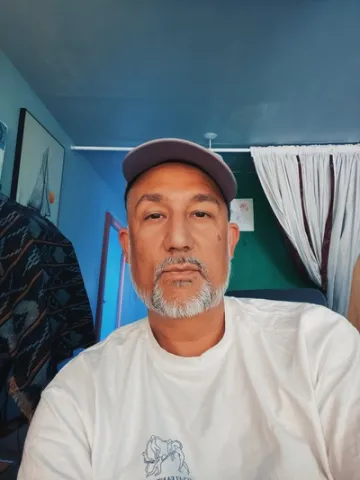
{"points": [[153, 153]]}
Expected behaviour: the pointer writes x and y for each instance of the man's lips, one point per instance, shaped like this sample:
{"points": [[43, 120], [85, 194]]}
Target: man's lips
{"points": [[181, 269]]}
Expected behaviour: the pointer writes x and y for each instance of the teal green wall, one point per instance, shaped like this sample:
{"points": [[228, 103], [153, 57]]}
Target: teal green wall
{"points": [[261, 258], [85, 195]]}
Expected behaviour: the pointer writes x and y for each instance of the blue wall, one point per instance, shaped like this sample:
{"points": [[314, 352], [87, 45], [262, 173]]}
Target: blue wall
{"points": [[85, 195]]}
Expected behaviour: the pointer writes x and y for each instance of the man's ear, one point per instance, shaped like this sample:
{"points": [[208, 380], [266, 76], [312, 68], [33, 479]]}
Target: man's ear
{"points": [[124, 241], [233, 238]]}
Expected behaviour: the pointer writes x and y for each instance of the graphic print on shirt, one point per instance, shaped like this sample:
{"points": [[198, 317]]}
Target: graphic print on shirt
{"points": [[159, 452]]}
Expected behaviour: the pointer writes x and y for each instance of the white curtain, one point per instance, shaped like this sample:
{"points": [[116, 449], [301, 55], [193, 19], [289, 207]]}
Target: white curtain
{"points": [[345, 237], [281, 170]]}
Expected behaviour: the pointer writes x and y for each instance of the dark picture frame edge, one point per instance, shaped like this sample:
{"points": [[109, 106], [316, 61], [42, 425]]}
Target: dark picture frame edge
{"points": [[18, 150]]}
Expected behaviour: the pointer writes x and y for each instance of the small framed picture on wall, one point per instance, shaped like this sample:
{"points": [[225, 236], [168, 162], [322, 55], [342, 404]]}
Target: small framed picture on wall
{"points": [[242, 213], [38, 168]]}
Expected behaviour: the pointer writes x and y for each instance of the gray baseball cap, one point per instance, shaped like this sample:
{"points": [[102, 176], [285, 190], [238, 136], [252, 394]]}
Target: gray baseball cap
{"points": [[155, 152]]}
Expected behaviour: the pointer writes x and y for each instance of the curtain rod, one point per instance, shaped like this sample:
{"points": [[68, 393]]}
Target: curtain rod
{"points": [[80, 148], [279, 148]]}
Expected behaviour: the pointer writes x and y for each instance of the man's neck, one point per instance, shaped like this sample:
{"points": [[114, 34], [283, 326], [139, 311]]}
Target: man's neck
{"points": [[189, 337]]}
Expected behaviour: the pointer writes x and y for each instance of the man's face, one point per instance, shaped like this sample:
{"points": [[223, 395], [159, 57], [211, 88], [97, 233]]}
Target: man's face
{"points": [[179, 242]]}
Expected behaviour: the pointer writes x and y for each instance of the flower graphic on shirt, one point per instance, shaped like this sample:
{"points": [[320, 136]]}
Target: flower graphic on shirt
{"points": [[158, 451]]}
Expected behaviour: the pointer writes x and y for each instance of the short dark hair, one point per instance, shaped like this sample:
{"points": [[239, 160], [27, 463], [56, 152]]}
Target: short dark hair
{"points": [[130, 184]]}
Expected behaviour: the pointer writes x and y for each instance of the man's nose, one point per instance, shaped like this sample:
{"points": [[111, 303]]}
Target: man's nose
{"points": [[178, 236]]}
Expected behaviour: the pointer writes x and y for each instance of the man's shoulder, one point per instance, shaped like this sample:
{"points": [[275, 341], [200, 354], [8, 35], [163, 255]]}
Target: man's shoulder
{"points": [[114, 350], [121, 340], [314, 328], [276, 315]]}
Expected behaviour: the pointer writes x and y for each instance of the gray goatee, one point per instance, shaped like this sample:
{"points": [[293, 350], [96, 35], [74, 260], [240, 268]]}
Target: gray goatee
{"points": [[207, 297]]}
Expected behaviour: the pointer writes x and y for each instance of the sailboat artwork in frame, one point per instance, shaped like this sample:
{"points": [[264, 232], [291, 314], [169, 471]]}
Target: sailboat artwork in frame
{"points": [[38, 169]]}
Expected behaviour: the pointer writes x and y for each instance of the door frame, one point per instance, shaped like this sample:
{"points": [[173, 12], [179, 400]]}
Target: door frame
{"points": [[110, 221]]}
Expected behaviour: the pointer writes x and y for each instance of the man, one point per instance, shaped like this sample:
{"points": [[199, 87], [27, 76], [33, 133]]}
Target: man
{"points": [[207, 387]]}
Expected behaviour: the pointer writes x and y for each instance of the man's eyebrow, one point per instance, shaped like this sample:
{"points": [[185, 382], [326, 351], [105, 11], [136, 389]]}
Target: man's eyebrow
{"points": [[149, 197], [205, 197], [158, 197]]}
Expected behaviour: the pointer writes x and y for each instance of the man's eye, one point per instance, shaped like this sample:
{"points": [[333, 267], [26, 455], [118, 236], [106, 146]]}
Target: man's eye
{"points": [[153, 216], [201, 214]]}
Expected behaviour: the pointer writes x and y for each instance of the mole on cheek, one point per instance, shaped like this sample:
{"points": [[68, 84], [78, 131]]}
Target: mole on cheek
{"points": [[219, 237]]}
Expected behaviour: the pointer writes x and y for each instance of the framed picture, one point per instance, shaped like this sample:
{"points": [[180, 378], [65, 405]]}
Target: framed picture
{"points": [[242, 213], [3, 135], [38, 168]]}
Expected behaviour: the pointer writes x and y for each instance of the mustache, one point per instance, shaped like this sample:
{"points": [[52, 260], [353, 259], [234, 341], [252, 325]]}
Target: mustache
{"points": [[170, 261]]}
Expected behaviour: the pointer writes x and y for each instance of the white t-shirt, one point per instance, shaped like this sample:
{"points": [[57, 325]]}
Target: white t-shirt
{"points": [[278, 398]]}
